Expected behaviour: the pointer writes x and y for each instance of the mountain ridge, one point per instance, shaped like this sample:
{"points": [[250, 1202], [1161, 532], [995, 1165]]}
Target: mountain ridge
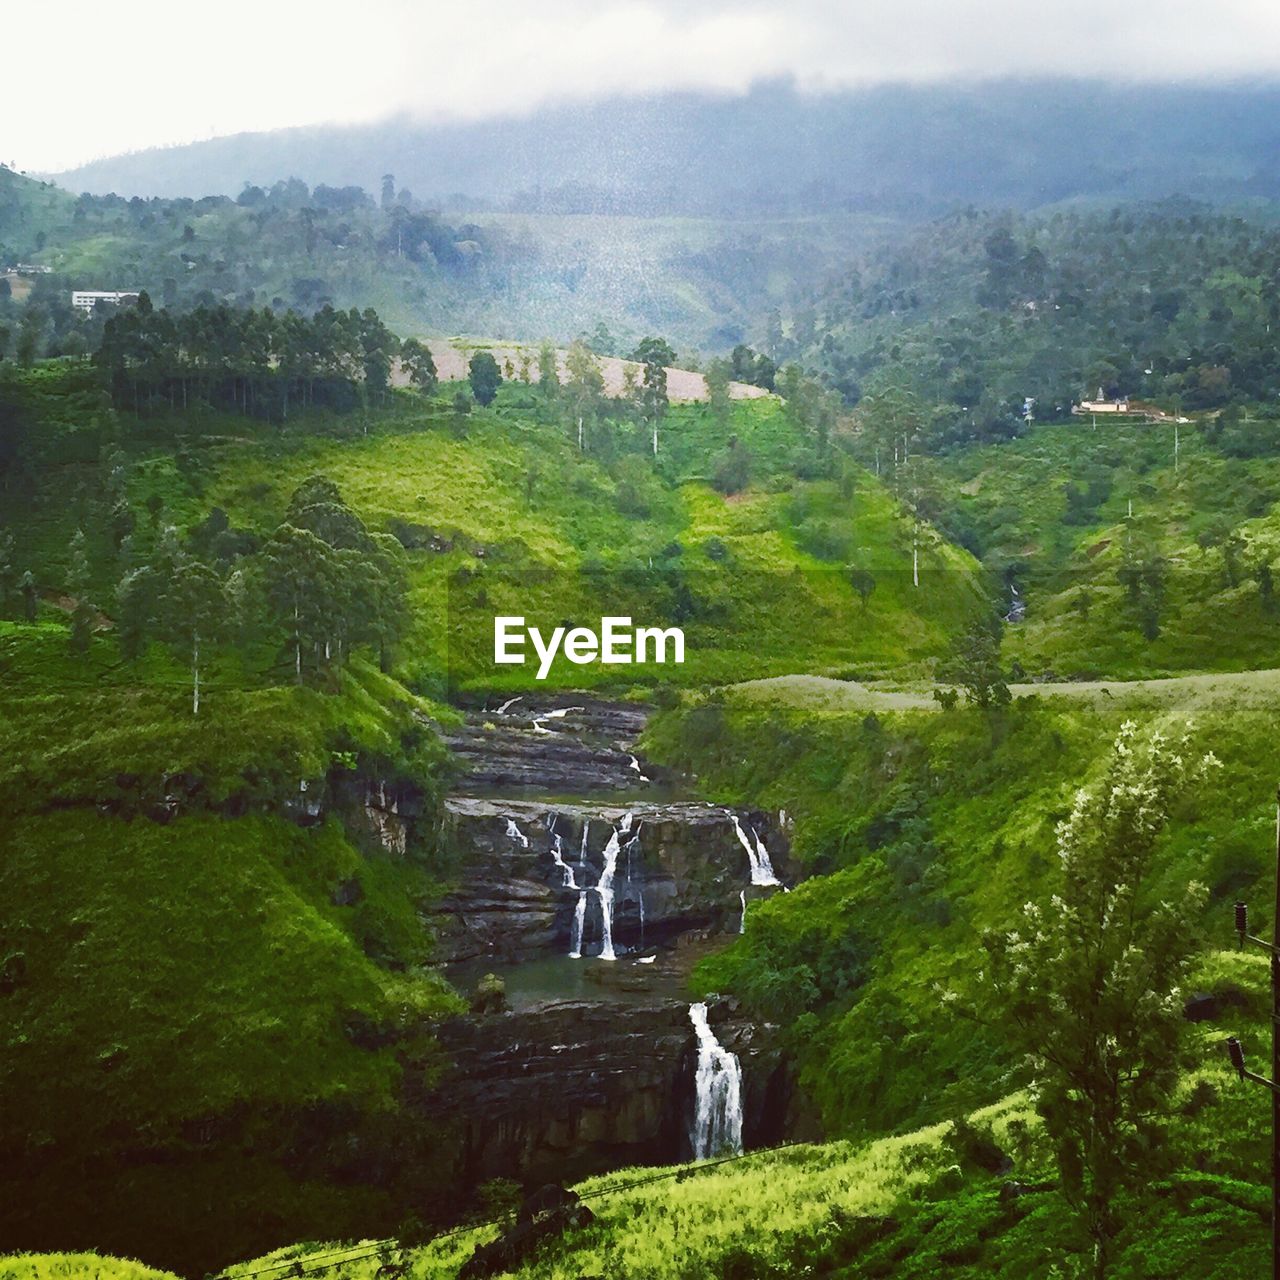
{"points": [[896, 148]]}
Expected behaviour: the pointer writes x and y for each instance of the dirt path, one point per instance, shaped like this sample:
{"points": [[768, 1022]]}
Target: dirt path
{"points": [[823, 695], [452, 355]]}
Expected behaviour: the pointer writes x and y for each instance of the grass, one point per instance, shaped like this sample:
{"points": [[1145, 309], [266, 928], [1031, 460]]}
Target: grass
{"points": [[179, 989], [918, 829], [914, 1205], [484, 502], [75, 1266], [1008, 502]]}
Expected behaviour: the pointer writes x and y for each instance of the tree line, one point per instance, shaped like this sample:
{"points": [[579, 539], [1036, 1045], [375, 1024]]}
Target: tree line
{"points": [[253, 361]]}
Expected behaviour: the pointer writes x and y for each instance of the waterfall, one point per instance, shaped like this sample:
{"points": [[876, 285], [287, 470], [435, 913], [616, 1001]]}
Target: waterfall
{"points": [[717, 1119], [516, 834], [631, 883], [635, 764], [580, 910], [742, 923], [604, 887], [757, 854], [557, 854], [579, 918]]}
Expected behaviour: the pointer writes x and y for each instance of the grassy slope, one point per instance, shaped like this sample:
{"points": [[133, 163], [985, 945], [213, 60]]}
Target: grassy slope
{"points": [[913, 1206], [509, 495], [1011, 497], [923, 828], [514, 496], [75, 1266], [189, 979]]}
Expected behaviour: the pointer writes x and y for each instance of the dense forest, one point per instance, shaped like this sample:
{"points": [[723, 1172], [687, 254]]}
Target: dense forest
{"points": [[980, 312]]}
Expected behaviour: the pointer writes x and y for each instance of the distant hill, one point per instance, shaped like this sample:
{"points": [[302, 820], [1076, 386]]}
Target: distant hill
{"points": [[892, 149]]}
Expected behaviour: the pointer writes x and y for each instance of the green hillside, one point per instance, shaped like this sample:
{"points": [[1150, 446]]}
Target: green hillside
{"points": [[202, 970], [1131, 563], [702, 281], [920, 830], [177, 971]]}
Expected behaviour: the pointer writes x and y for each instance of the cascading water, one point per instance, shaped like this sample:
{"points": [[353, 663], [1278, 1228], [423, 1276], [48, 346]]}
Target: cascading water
{"points": [[632, 845], [717, 1116], [757, 854], [516, 834], [579, 918], [580, 910], [557, 856], [604, 888], [742, 922]]}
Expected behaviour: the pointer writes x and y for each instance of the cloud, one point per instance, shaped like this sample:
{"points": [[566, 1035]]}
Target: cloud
{"points": [[148, 72]]}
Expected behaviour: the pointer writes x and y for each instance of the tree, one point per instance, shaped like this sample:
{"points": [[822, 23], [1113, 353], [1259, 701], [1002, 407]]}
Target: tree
{"points": [[718, 378], [863, 581], [1088, 986], [731, 470], [1266, 586], [8, 571], [137, 610], [656, 355], [30, 596], [891, 423], [420, 365], [485, 377], [548, 371], [584, 389], [1142, 574], [301, 577], [83, 614], [975, 666], [195, 609]]}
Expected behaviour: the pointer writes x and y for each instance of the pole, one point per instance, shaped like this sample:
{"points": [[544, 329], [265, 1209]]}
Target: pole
{"points": [[1275, 1064]]}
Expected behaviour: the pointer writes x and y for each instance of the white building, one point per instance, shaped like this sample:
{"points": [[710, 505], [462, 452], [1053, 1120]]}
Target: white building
{"points": [[87, 299]]}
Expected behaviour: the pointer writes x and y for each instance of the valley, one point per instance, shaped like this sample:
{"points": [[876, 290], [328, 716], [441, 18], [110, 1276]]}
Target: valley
{"points": [[827, 945]]}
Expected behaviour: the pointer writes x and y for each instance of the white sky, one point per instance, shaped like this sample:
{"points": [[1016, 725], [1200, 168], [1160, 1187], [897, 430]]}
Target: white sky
{"points": [[173, 72]]}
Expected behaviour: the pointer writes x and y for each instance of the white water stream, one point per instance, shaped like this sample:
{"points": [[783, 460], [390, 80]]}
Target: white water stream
{"points": [[757, 855], [717, 1117]]}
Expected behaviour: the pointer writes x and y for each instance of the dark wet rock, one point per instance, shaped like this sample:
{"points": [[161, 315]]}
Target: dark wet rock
{"points": [[570, 1087], [555, 746], [680, 868]]}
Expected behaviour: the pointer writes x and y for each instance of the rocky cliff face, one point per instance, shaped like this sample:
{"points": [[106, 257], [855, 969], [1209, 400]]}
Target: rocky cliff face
{"points": [[558, 1088], [524, 866], [558, 746], [569, 1088]]}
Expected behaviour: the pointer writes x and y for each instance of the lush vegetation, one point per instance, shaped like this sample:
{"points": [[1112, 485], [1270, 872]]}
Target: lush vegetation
{"points": [[922, 828], [979, 312], [249, 551]]}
